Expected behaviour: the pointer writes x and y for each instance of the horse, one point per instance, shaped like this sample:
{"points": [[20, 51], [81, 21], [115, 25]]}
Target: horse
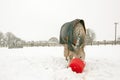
{"points": [[72, 37]]}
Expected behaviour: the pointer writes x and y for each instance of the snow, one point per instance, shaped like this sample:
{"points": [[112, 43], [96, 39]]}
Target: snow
{"points": [[48, 63]]}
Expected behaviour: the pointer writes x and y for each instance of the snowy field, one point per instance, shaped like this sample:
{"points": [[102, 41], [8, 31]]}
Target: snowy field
{"points": [[47, 63]]}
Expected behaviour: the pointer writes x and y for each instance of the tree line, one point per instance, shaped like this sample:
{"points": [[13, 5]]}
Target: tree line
{"points": [[11, 41]]}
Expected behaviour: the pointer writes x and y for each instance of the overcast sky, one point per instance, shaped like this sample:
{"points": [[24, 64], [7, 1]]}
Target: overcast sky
{"points": [[42, 19]]}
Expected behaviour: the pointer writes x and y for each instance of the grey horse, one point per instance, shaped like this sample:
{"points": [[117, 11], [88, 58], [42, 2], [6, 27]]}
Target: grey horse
{"points": [[72, 37]]}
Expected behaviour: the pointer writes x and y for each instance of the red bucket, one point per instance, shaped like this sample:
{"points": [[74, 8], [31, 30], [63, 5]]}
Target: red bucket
{"points": [[77, 65]]}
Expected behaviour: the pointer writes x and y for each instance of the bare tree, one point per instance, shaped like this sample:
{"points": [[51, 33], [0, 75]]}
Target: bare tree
{"points": [[13, 41], [53, 39], [90, 36], [1, 39]]}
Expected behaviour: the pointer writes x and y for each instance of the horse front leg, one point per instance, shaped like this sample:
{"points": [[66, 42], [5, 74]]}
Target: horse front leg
{"points": [[66, 51]]}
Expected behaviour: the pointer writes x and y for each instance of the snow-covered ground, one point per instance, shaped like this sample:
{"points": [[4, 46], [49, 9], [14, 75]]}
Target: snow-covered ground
{"points": [[48, 63]]}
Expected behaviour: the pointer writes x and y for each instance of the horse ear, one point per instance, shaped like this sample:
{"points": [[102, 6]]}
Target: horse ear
{"points": [[82, 22]]}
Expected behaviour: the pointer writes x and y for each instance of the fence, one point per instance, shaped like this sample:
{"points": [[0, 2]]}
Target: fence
{"points": [[104, 43], [46, 43]]}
